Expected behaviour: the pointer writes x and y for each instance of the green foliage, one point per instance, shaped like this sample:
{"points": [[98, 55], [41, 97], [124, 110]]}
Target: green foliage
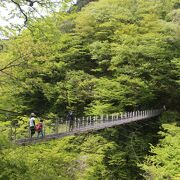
{"points": [[113, 55], [165, 159], [125, 53]]}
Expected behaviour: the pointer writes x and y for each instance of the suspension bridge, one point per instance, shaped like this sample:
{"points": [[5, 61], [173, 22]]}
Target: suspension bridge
{"points": [[59, 128]]}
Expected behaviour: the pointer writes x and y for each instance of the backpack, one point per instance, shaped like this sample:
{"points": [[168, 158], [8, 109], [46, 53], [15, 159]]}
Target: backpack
{"points": [[39, 127]]}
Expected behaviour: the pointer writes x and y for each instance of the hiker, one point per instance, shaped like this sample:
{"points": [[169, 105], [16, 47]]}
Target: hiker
{"points": [[32, 124], [70, 118], [164, 108], [39, 128]]}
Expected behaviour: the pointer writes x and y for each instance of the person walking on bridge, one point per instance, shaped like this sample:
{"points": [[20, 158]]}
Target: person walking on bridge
{"points": [[39, 128], [32, 124], [70, 118]]}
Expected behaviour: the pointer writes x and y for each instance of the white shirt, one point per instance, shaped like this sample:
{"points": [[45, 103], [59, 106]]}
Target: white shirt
{"points": [[32, 121]]}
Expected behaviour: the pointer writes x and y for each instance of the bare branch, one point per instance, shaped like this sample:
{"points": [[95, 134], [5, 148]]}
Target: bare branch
{"points": [[10, 64], [22, 11]]}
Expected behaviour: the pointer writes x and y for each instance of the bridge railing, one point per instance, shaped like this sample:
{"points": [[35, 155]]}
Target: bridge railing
{"points": [[60, 125]]}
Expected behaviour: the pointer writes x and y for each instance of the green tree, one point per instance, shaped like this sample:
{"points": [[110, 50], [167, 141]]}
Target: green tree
{"points": [[164, 160]]}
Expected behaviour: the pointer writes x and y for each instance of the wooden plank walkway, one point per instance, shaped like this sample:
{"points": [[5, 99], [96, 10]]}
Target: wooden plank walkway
{"points": [[94, 127]]}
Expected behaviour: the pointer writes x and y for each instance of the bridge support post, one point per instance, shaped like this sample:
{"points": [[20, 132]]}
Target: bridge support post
{"points": [[124, 115], [90, 120], [75, 122], [95, 119], [29, 131], [57, 125], [112, 117], [83, 121], [66, 124], [78, 123], [107, 117], [102, 119], [117, 116], [15, 132], [87, 121], [10, 133]]}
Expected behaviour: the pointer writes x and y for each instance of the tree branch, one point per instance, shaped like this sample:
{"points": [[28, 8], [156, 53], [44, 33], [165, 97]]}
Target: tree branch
{"points": [[10, 64], [22, 11]]}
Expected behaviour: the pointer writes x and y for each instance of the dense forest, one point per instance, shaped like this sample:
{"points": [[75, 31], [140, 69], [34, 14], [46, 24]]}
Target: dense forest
{"points": [[97, 57]]}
